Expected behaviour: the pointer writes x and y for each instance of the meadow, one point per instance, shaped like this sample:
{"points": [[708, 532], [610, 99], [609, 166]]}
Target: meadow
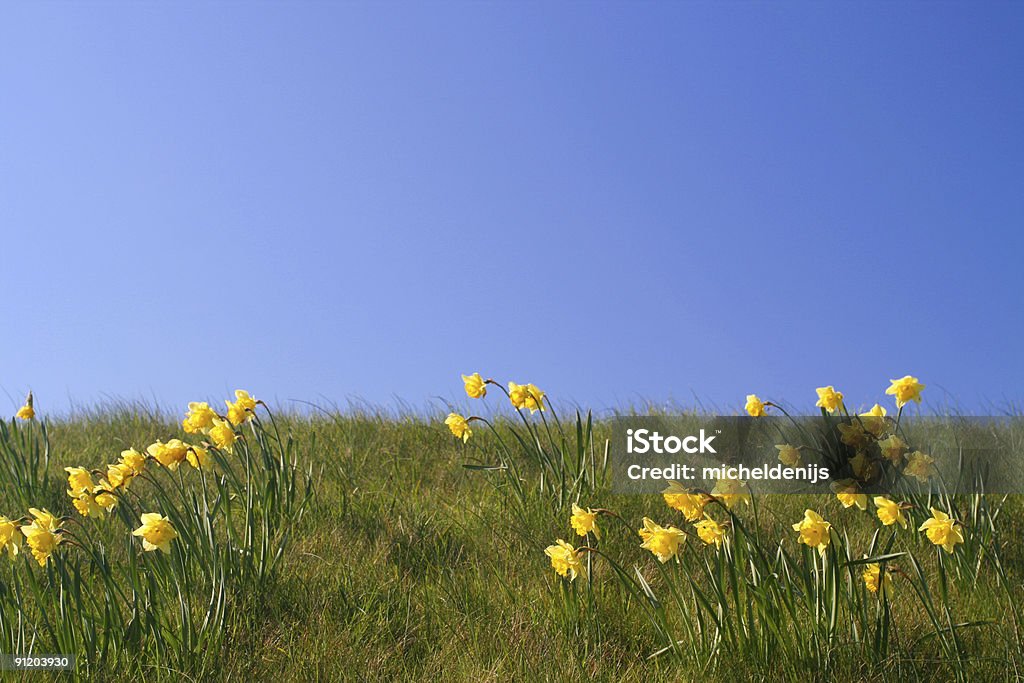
{"points": [[358, 546]]}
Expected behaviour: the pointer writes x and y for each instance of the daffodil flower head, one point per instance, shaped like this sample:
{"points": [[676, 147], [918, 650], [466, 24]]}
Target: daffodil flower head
{"points": [[475, 385], [849, 494], [662, 541], [27, 411], [943, 530], [829, 399], [755, 407], [566, 560], [223, 435], [682, 499], [243, 409], [10, 539], [889, 511], [813, 531], [710, 531], [920, 466], [788, 455], [156, 531], [459, 426], [199, 418], [875, 579], [905, 389], [584, 521]]}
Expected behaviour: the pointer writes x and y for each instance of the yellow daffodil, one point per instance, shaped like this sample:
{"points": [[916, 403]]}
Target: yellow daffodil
{"points": [[943, 530], [45, 519], [662, 541], [133, 460], [690, 504], [853, 434], [222, 435], [79, 480], [731, 492], [788, 455], [10, 539], [813, 530], [905, 390], [27, 411], [156, 531], [170, 454], [120, 475], [893, 449], [41, 540], [459, 426], [42, 535], [199, 418], [526, 396], [86, 505], [710, 531], [889, 512], [849, 494], [475, 385], [199, 457], [755, 407], [864, 466], [242, 409], [584, 521], [829, 399], [921, 466], [874, 579], [874, 421], [565, 560], [104, 496]]}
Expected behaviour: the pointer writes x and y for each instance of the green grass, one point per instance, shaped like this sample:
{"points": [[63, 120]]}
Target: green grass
{"points": [[409, 566]]}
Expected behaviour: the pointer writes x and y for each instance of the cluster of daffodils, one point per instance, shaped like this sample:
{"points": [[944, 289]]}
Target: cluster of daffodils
{"points": [[521, 396], [875, 443], [94, 493]]}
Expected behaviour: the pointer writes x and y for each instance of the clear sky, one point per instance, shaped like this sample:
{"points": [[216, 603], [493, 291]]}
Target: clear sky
{"points": [[619, 202]]}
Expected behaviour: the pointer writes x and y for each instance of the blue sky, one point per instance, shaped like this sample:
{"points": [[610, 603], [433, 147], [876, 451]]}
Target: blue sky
{"points": [[618, 202]]}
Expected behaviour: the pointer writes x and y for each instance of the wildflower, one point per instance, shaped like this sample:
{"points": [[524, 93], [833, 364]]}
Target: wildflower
{"points": [[133, 460], [119, 475], [943, 530], [710, 531], [10, 539], [789, 455], [44, 519], [459, 426], [864, 467], [849, 494], [170, 454], [42, 535], [853, 434], [42, 541], [662, 541], [584, 521], [199, 418], [814, 531], [156, 531], [526, 396], [893, 449], [475, 385], [198, 457], [104, 497], [242, 409], [874, 421], [223, 435], [731, 492], [566, 560], [890, 512], [755, 407], [875, 579], [921, 466], [690, 504], [829, 399], [86, 505], [27, 411], [905, 390], [79, 480]]}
